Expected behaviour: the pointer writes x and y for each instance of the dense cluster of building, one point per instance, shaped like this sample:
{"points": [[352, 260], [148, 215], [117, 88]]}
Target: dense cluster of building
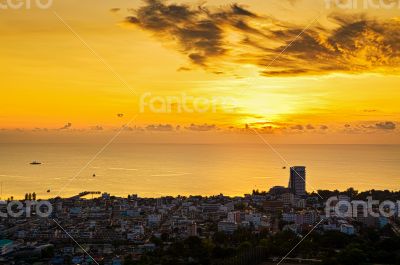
{"points": [[109, 228]]}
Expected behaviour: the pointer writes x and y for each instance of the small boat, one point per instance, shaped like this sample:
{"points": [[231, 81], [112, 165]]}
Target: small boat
{"points": [[48, 191], [35, 163], [94, 175], [283, 167]]}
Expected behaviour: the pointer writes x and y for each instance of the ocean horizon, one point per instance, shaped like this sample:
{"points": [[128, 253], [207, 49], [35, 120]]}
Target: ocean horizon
{"points": [[154, 170]]}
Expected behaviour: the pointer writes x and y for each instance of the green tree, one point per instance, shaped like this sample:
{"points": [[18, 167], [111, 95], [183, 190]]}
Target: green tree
{"points": [[352, 255], [246, 245], [351, 192]]}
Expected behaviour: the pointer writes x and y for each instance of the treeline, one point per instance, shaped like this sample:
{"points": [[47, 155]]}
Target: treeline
{"points": [[380, 195], [243, 247]]}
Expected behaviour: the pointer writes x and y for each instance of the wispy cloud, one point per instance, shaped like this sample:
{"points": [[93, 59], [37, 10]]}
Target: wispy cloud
{"points": [[160, 127], [201, 127], [387, 125], [96, 128], [214, 37]]}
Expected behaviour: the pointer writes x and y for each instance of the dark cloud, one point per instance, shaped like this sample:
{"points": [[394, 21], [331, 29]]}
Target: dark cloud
{"points": [[371, 127], [66, 126], [115, 10], [201, 127], [196, 30], [356, 44], [160, 128], [310, 127], [199, 31], [127, 128], [238, 10], [388, 125], [324, 127], [183, 69], [37, 129], [131, 129], [297, 127], [96, 128]]}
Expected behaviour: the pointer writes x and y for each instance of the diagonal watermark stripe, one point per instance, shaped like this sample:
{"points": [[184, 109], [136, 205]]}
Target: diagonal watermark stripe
{"points": [[290, 44], [101, 59], [299, 242], [97, 154], [295, 39], [125, 83], [268, 66], [281, 157], [118, 76], [65, 231]]}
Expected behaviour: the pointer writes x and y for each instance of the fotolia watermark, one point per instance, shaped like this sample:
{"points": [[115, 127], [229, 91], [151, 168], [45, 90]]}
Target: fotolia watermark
{"points": [[365, 4], [359, 208], [25, 209], [25, 4], [184, 103]]}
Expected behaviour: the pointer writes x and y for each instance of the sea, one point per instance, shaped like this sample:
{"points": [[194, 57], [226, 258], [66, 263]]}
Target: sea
{"points": [[155, 170]]}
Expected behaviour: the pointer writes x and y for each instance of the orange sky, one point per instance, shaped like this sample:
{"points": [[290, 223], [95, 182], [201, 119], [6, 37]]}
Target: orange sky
{"points": [[69, 70]]}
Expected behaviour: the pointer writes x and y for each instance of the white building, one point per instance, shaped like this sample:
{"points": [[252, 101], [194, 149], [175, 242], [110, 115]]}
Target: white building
{"points": [[227, 227], [301, 203], [288, 198], [289, 217], [253, 218], [191, 228], [330, 227], [138, 229], [347, 229], [154, 219], [306, 217], [234, 217]]}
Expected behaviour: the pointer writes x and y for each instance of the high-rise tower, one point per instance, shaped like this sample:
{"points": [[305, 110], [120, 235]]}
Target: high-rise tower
{"points": [[297, 180]]}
